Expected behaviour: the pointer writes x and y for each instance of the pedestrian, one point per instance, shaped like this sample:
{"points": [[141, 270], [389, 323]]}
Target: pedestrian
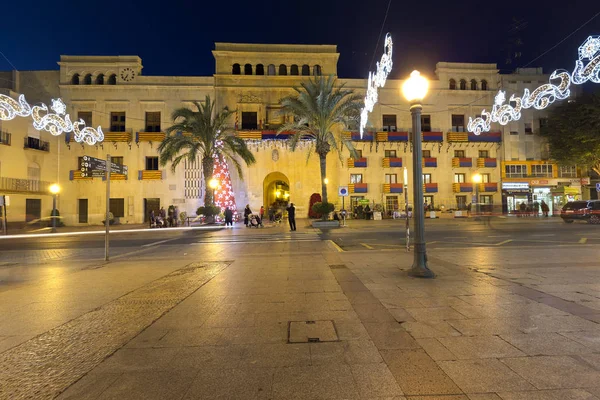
{"points": [[545, 208], [163, 214], [228, 217], [367, 212], [247, 213], [292, 216], [261, 213], [152, 219], [176, 216], [523, 209], [469, 209]]}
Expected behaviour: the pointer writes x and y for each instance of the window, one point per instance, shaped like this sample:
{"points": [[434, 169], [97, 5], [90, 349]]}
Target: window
{"points": [[249, 120], [316, 70], [117, 160], [117, 122], [452, 84], [294, 70], [426, 153], [484, 85], [567, 171], [236, 69], [459, 178], [75, 79], [426, 123], [461, 202], [515, 171], [112, 80], [282, 69], [486, 199], [271, 69], [463, 84], [484, 153], [86, 116], [473, 84], [544, 171], [543, 122], [355, 178], [88, 79], [459, 153], [485, 178], [260, 69], [153, 121], [389, 123], [426, 178], [391, 203], [514, 132], [100, 79], [152, 163], [305, 70], [458, 123], [248, 69], [528, 128], [117, 207], [358, 153], [390, 153], [391, 178]]}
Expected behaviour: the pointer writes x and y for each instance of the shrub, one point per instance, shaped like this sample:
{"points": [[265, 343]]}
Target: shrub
{"points": [[323, 209], [208, 211], [314, 199]]}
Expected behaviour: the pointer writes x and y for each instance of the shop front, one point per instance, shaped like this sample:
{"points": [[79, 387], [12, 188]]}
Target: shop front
{"points": [[513, 194]]}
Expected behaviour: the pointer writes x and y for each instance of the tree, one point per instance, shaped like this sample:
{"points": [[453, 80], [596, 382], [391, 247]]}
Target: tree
{"points": [[203, 132], [573, 132], [317, 108]]}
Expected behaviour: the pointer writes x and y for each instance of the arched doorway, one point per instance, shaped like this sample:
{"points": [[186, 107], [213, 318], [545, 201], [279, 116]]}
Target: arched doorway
{"points": [[276, 190]]}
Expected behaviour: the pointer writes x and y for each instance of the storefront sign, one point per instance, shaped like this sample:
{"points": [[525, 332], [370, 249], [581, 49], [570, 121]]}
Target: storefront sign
{"points": [[585, 181], [515, 186]]}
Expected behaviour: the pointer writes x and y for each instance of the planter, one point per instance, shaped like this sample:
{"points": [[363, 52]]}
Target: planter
{"points": [[326, 224]]}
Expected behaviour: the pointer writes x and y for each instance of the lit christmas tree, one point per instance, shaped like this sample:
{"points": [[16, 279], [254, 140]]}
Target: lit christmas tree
{"points": [[224, 196]]}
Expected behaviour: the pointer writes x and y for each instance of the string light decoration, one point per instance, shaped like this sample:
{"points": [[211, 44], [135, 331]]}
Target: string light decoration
{"points": [[377, 80], [224, 196], [545, 94], [56, 123]]}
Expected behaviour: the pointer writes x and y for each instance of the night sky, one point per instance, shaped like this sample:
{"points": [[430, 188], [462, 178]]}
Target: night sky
{"points": [[176, 37]]}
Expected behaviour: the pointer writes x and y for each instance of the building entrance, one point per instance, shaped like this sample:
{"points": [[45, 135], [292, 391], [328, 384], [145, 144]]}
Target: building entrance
{"points": [[276, 193]]}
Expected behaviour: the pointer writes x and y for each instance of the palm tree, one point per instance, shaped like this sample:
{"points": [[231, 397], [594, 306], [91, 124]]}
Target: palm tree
{"points": [[317, 109], [200, 133]]}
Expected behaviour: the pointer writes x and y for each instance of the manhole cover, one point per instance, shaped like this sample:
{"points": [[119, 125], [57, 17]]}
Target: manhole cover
{"points": [[311, 332]]}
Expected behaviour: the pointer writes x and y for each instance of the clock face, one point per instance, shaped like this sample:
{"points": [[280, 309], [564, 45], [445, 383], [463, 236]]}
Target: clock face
{"points": [[127, 74]]}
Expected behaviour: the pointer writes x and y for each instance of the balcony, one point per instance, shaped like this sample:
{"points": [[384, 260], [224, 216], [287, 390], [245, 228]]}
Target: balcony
{"points": [[432, 136], [430, 162], [36, 144], [15, 185], [462, 187], [149, 137], [357, 162], [400, 136], [462, 162], [389, 162], [357, 188], [116, 177], [488, 187], [115, 137], [486, 162], [392, 187], [150, 175], [430, 187], [5, 138]]}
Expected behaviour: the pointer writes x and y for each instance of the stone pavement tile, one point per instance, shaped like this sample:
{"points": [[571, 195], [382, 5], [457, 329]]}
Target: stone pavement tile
{"points": [[239, 319], [430, 329], [435, 349], [434, 313], [470, 347], [89, 387], [148, 338], [487, 326], [194, 358], [362, 298], [129, 360], [390, 336], [471, 311], [339, 305], [417, 373], [400, 315], [561, 394], [375, 380], [190, 337], [401, 302], [349, 331], [546, 344], [373, 313], [439, 397], [348, 352], [592, 359], [315, 382], [483, 396], [592, 317], [267, 333], [595, 391], [244, 383], [149, 385], [492, 299], [590, 339], [554, 372], [556, 323], [276, 355], [8, 342], [441, 301], [483, 375]]}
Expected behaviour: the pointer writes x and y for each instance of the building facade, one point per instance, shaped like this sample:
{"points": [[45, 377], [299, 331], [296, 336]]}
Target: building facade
{"points": [[134, 110]]}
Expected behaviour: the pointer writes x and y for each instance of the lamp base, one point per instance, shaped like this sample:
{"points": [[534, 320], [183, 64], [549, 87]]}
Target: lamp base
{"points": [[419, 268]]}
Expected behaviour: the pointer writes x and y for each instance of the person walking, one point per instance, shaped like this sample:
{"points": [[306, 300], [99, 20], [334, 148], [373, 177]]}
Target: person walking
{"points": [[545, 208], [536, 209], [292, 216], [152, 219], [247, 213], [228, 217], [262, 213]]}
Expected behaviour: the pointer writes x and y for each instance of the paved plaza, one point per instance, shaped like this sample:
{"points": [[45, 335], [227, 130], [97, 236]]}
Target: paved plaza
{"points": [[293, 316]]}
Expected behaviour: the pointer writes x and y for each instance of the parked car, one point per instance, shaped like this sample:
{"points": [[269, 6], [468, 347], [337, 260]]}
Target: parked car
{"points": [[588, 210]]}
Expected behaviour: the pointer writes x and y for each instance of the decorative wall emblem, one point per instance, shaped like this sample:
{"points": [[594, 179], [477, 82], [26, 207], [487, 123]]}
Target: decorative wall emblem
{"points": [[249, 98], [275, 155]]}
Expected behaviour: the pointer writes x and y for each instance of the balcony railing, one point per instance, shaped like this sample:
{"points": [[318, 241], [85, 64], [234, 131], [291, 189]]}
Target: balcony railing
{"points": [[458, 162], [389, 162], [36, 144], [358, 188], [357, 162], [488, 187], [430, 187], [118, 136], [485, 162], [392, 187], [462, 187], [150, 175], [430, 162], [149, 137], [16, 185], [5, 138]]}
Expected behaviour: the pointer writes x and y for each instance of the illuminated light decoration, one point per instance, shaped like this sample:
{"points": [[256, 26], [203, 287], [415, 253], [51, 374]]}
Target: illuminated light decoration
{"points": [[545, 94], [224, 196], [376, 80], [56, 123]]}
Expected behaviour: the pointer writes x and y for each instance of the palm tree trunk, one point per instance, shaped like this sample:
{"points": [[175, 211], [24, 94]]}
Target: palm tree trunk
{"points": [[323, 162], [207, 171]]}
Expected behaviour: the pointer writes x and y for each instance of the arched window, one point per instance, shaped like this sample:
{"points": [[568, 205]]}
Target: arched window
{"points": [[316, 70], [305, 70], [112, 80], [88, 79], [294, 70], [75, 79], [236, 69], [282, 69], [473, 84], [463, 84], [248, 69], [100, 79], [260, 69], [271, 69], [452, 85], [484, 85]]}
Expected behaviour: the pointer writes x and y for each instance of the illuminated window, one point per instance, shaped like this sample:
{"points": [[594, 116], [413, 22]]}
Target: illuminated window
{"points": [[355, 178], [391, 178], [452, 84], [390, 153]]}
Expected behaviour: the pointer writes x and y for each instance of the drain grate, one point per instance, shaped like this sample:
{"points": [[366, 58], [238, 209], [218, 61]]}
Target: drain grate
{"points": [[312, 332]]}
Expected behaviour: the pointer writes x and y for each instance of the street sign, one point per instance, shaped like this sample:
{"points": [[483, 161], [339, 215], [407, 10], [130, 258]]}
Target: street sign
{"points": [[96, 167], [598, 187], [343, 191]]}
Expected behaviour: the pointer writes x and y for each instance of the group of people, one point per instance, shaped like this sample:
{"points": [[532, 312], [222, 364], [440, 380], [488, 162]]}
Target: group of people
{"points": [[250, 219], [162, 220], [523, 209]]}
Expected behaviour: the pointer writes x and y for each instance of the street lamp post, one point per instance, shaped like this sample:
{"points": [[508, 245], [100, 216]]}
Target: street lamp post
{"points": [[477, 180], [414, 90], [54, 189], [213, 185]]}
